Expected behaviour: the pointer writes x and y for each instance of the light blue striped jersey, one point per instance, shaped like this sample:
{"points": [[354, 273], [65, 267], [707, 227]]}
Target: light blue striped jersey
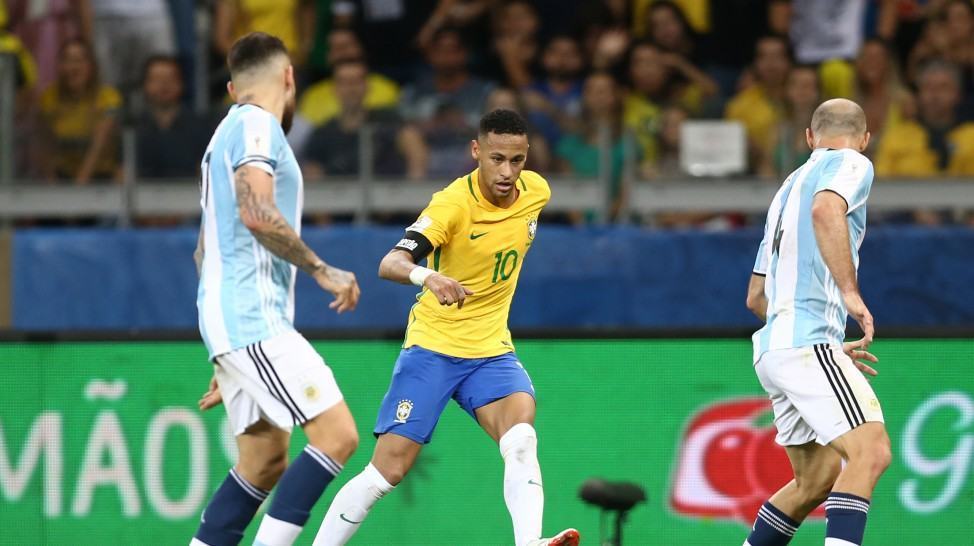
{"points": [[804, 303], [246, 294]]}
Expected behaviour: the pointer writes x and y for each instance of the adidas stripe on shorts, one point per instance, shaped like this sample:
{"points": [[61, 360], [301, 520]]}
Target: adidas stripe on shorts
{"points": [[817, 394], [281, 379]]}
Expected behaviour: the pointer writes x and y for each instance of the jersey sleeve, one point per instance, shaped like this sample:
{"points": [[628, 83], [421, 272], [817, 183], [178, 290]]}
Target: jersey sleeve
{"points": [[253, 141], [439, 220], [850, 175]]}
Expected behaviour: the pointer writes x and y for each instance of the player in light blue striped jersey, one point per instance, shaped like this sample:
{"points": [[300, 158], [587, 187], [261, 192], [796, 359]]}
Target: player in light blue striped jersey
{"points": [[804, 286], [267, 375]]}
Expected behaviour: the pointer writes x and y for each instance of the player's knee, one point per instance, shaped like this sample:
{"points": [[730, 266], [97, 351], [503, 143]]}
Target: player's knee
{"points": [[874, 454], [393, 462], [519, 442], [340, 444], [346, 443], [393, 471], [879, 457]]}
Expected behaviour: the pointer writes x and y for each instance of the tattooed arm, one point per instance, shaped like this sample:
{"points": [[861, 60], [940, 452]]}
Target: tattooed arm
{"points": [[255, 203]]}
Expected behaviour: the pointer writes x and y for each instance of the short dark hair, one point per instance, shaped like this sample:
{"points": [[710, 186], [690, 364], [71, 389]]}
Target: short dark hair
{"points": [[94, 82], [940, 65], [503, 122], [445, 31], [561, 36], [677, 12], [252, 50], [160, 59], [783, 40]]}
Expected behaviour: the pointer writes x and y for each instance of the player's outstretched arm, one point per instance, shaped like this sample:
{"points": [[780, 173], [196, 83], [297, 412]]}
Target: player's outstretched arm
{"points": [[255, 203], [832, 236], [399, 266]]}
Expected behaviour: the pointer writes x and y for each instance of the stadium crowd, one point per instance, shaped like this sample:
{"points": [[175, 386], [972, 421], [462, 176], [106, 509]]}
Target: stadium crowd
{"points": [[589, 75]]}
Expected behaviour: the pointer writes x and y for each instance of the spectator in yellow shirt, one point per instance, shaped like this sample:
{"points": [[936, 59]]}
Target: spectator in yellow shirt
{"points": [[293, 21], [760, 105], [938, 142], [790, 146], [695, 12], [659, 79], [79, 114], [880, 92], [333, 149], [320, 103], [25, 69]]}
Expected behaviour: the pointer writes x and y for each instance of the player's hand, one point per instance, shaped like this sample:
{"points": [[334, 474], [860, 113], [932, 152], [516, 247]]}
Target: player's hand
{"points": [[857, 310], [856, 351], [447, 290], [211, 398], [342, 285]]}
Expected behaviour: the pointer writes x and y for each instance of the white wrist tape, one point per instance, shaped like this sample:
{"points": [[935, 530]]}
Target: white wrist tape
{"points": [[418, 275]]}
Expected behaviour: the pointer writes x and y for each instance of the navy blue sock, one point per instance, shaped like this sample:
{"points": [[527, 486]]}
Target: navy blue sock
{"points": [[301, 486], [772, 527], [229, 511], [846, 518]]}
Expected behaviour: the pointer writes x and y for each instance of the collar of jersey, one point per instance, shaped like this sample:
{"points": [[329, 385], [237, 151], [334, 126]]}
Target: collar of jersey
{"points": [[473, 181]]}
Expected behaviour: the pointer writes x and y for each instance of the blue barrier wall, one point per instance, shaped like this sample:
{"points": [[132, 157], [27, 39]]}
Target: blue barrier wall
{"points": [[613, 277]]}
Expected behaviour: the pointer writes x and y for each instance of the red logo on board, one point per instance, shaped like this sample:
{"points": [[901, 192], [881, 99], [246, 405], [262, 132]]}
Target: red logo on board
{"points": [[729, 464]]}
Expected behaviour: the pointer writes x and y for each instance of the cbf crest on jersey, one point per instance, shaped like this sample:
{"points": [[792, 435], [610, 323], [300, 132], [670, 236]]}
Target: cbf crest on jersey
{"points": [[403, 410], [532, 227]]}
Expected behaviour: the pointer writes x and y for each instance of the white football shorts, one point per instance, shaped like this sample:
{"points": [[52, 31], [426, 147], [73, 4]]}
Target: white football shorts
{"points": [[817, 394], [281, 379]]}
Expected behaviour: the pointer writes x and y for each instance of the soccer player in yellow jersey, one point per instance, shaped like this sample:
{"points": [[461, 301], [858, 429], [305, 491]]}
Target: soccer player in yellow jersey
{"points": [[475, 234]]}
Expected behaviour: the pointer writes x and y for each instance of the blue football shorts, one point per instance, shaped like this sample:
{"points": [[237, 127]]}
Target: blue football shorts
{"points": [[423, 381]]}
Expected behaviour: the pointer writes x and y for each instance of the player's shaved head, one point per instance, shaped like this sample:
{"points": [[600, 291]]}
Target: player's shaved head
{"points": [[838, 117], [253, 53]]}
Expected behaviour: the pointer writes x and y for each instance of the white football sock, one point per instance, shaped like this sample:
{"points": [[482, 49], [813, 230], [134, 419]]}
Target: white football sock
{"points": [[350, 506], [523, 492], [274, 532]]}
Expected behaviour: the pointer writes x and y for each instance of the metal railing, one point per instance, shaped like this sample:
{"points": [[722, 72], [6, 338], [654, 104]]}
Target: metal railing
{"points": [[362, 198], [365, 195], [8, 94]]}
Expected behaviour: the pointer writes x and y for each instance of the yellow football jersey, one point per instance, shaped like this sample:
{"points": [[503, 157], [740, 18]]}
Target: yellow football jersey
{"points": [[482, 246]]}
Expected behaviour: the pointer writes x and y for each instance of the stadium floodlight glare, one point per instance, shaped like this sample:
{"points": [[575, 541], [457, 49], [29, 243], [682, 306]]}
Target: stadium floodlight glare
{"points": [[615, 497]]}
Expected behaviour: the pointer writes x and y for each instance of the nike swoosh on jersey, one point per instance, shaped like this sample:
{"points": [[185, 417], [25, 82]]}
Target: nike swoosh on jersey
{"points": [[477, 235]]}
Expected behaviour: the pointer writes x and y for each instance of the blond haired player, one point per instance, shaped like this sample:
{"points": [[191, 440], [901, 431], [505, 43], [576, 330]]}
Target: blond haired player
{"points": [[475, 234]]}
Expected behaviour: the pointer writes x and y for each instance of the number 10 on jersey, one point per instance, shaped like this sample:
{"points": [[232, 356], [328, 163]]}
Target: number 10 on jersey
{"points": [[504, 265]]}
